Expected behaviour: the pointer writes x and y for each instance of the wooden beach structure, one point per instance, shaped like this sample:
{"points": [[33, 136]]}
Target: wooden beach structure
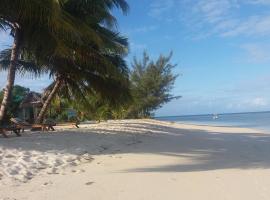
{"points": [[30, 107]]}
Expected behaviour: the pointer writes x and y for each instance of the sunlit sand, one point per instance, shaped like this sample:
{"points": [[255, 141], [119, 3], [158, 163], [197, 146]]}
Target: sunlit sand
{"points": [[137, 159]]}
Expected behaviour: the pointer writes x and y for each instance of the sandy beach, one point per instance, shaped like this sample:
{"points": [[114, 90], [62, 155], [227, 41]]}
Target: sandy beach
{"points": [[136, 159]]}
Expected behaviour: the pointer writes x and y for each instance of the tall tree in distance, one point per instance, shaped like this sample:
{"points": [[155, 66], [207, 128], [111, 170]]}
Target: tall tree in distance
{"points": [[151, 85]]}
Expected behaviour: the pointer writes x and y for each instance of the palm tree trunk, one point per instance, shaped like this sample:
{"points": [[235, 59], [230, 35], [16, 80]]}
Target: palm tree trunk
{"points": [[11, 75], [48, 101]]}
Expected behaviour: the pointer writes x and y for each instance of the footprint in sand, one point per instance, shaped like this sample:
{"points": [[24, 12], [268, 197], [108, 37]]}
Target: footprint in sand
{"points": [[47, 183], [58, 163], [28, 175], [28, 153], [71, 159], [10, 156], [86, 158], [73, 164], [11, 164], [53, 171], [40, 162], [27, 158], [89, 183], [13, 172]]}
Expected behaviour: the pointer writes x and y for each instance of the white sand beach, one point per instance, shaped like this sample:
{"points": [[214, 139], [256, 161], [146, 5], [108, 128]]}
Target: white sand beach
{"points": [[136, 159]]}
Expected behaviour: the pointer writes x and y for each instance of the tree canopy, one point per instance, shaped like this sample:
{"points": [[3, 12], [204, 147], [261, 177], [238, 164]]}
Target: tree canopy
{"points": [[18, 94], [73, 40], [151, 84], [77, 43]]}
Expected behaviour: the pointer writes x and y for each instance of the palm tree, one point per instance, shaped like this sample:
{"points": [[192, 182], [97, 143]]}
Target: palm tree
{"points": [[29, 22], [95, 62], [76, 82], [87, 42], [21, 17], [109, 80]]}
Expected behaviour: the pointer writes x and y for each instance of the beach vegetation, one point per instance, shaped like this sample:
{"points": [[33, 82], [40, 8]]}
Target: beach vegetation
{"points": [[150, 84], [77, 44], [90, 60], [17, 96], [28, 22]]}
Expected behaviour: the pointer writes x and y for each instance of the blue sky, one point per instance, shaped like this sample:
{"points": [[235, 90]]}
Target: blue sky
{"points": [[222, 48]]}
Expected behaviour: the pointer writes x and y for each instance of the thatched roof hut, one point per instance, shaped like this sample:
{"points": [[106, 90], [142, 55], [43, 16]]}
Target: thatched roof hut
{"points": [[33, 99], [30, 106]]}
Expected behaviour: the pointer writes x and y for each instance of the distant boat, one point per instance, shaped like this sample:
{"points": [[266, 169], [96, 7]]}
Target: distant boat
{"points": [[215, 116]]}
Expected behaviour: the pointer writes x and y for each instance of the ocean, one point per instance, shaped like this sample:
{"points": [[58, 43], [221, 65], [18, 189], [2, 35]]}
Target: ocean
{"points": [[258, 120]]}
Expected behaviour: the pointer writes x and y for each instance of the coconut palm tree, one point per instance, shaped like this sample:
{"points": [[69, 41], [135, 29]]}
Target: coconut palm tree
{"points": [[31, 23], [84, 43], [97, 62], [23, 19], [109, 80], [75, 81]]}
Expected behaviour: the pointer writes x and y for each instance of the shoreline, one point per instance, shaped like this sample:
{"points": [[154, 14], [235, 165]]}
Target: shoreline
{"points": [[136, 159], [203, 126], [209, 114], [261, 130]]}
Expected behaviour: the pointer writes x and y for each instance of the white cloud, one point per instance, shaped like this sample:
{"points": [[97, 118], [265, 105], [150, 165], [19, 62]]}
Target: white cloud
{"points": [[232, 24], [160, 7], [249, 104], [253, 26], [240, 96], [256, 52], [258, 102], [213, 11], [223, 18]]}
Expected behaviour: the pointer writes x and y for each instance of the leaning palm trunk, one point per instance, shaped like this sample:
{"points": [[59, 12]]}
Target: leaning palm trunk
{"points": [[48, 101], [11, 75]]}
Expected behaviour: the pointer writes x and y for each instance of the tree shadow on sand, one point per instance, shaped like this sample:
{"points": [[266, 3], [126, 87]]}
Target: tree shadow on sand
{"points": [[205, 150]]}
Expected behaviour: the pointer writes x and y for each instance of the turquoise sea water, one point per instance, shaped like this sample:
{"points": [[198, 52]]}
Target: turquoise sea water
{"points": [[258, 120]]}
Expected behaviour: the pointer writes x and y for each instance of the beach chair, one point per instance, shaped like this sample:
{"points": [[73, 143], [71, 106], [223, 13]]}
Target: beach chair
{"points": [[22, 125], [3, 132], [74, 124], [77, 124], [5, 129]]}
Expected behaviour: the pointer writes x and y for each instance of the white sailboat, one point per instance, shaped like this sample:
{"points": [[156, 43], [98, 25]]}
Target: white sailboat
{"points": [[215, 116]]}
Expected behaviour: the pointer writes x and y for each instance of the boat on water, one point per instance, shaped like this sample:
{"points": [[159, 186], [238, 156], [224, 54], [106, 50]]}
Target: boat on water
{"points": [[215, 116]]}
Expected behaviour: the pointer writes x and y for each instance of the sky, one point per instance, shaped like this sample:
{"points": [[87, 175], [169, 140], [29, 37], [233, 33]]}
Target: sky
{"points": [[221, 48]]}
